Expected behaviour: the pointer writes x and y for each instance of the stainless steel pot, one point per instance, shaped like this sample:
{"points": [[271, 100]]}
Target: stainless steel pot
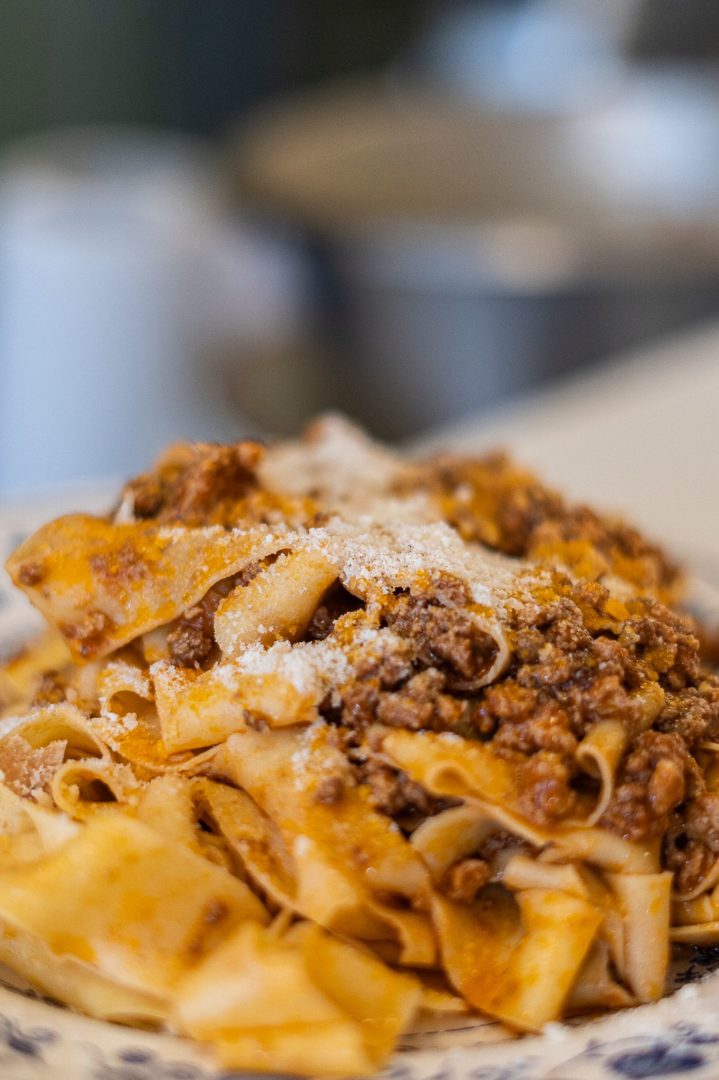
{"points": [[473, 253]]}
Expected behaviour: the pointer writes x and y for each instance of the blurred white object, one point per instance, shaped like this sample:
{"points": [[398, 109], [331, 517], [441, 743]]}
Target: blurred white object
{"points": [[122, 282], [476, 251], [98, 236], [548, 54]]}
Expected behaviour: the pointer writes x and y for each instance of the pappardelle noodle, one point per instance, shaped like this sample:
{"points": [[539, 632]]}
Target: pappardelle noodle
{"points": [[321, 741]]}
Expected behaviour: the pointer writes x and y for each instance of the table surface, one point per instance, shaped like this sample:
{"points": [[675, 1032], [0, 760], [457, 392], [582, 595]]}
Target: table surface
{"points": [[640, 435]]}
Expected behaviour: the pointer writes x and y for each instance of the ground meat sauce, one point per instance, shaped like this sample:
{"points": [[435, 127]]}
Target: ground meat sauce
{"points": [[463, 880], [335, 603], [191, 483], [493, 501], [656, 776], [330, 790], [443, 631], [50, 690], [579, 656], [394, 794], [208, 484], [191, 641]]}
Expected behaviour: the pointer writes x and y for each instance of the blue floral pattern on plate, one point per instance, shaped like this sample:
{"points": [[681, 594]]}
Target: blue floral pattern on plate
{"points": [[34, 1052]]}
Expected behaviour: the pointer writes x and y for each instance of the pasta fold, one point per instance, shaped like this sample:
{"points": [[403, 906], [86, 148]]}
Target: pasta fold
{"points": [[103, 584], [306, 1003], [150, 910], [348, 862]]}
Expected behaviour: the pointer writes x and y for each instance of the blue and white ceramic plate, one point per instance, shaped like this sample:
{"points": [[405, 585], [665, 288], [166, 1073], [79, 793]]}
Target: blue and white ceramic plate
{"points": [[678, 1037]]}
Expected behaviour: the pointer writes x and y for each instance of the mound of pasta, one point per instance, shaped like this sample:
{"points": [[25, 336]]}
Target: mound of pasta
{"points": [[321, 741]]}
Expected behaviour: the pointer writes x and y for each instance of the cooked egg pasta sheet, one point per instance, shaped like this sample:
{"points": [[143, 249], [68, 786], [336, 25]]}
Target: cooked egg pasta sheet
{"points": [[522, 872], [166, 804], [451, 835], [595, 987], [103, 584], [601, 751], [346, 857], [77, 983], [139, 956], [278, 603], [61, 723], [82, 788], [42, 941], [701, 933], [37, 748], [451, 766], [390, 563], [150, 908], [517, 959], [280, 685], [172, 805], [644, 900], [256, 843], [128, 721], [640, 901], [228, 695], [18, 677], [138, 741], [456, 832], [28, 831], [703, 909], [695, 921], [124, 688], [515, 927], [593, 848], [600, 754], [398, 557], [305, 1002]]}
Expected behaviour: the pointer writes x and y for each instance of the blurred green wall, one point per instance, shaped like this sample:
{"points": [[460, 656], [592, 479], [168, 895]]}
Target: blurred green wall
{"points": [[192, 64]]}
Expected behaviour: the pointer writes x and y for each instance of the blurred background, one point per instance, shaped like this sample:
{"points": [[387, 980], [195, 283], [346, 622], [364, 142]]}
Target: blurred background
{"points": [[217, 218]]}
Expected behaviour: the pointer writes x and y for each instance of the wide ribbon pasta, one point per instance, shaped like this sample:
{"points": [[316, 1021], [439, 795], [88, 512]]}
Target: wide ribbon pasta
{"points": [[312, 757]]}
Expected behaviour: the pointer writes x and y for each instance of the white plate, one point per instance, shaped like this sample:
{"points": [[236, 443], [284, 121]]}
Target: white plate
{"points": [[678, 1037]]}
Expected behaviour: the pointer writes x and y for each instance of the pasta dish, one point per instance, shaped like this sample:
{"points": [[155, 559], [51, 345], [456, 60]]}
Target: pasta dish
{"points": [[322, 743]]}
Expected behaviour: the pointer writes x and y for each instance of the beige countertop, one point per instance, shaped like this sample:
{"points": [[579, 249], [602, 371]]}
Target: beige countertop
{"points": [[640, 435]]}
